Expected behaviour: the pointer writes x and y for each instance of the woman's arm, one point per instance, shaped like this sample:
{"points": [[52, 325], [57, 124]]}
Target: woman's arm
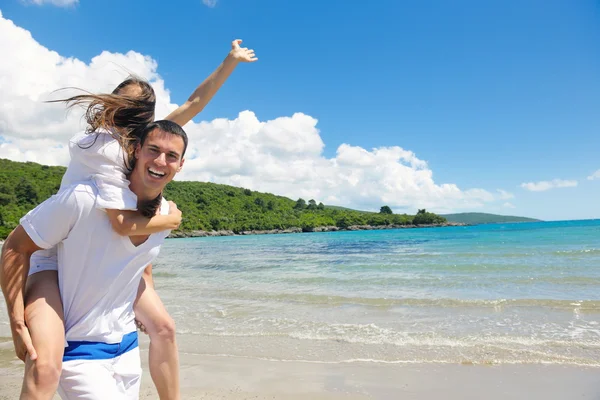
{"points": [[132, 223], [207, 89]]}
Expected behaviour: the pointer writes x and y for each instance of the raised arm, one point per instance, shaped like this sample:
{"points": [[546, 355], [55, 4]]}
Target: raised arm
{"points": [[207, 89], [14, 267]]}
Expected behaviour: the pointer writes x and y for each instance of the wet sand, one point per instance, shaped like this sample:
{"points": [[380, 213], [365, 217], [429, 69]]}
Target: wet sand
{"points": [[236, 378]]}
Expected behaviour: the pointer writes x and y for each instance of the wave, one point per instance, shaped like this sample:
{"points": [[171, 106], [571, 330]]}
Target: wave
{"points": [[424, 280], [567, 361], [399, 340], [336, 300], [584, 336], [578, 252], [347, 343]]}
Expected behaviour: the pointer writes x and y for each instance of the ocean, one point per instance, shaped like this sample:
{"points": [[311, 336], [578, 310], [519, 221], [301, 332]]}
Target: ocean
{"points": [[523, 293]]}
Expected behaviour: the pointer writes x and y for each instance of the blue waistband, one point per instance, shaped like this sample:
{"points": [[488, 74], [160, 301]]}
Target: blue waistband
{"points": [[81, 350]]}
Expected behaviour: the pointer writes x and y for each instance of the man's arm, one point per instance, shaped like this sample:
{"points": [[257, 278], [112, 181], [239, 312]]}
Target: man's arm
{"points": [[41, 228], [207, 89], [14, 268]]}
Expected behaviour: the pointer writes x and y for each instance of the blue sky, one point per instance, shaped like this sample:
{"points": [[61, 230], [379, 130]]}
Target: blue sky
{"points": [[492, 94]]}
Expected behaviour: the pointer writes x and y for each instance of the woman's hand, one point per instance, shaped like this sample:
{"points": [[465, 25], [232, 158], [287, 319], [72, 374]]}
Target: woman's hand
{"points": [[241, 54]]}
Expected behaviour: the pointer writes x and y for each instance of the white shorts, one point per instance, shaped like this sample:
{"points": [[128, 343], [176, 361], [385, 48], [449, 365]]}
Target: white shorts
{"points": [[43, 260], [115, 378]]}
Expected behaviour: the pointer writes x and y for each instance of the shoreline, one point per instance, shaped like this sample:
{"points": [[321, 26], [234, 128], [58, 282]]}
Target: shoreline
{"points": [[235, 378], [225, 232]]}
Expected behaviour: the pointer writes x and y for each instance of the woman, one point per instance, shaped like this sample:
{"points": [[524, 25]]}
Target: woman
{"points": [[121, 115]]}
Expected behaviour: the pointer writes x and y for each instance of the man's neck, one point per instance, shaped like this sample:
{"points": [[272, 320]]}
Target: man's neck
{"points": [[143, 194]]}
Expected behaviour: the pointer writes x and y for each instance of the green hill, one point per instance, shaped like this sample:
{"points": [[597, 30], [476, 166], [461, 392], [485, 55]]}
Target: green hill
{"points": [[484, 218], [205, 206]]}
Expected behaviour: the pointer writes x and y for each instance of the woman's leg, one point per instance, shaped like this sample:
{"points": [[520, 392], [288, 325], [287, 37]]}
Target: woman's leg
{"points": [[45, 321], [164, 356]]}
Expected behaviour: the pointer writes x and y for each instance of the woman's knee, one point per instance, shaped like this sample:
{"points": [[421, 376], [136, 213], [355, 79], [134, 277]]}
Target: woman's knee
{"points": [[164, 328], [46, 373], [153, 315]]}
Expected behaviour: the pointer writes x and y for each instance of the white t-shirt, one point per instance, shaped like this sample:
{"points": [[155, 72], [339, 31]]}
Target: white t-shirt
{"points": [[100, 271]]}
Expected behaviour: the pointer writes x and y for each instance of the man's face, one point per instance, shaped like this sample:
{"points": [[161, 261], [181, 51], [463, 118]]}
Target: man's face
{"points": [[159, 159]]}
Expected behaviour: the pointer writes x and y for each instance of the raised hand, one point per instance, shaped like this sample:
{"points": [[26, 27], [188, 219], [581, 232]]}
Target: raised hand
{"points": [[241, 54]]}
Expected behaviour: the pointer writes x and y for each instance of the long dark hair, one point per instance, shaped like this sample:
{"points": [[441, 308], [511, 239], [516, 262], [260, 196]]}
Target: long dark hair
{"points": [[122, 114]]}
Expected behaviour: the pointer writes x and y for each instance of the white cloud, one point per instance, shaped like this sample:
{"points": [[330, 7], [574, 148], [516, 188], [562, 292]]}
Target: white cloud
{"points": [[209, 3], [32, 73], [508, 205], [547, 185], [283, 155], [504, 195], [595, 175], [58, 3], [241, 153]]}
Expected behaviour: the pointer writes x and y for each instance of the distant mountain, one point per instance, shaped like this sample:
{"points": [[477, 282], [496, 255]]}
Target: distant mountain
{"points": [[484, 218]]}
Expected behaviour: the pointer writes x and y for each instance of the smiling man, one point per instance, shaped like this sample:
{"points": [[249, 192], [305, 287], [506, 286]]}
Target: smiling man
{"points": [[99, 270]]}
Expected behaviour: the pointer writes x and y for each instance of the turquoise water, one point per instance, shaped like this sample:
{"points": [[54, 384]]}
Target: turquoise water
{"points": [[506, 293], [489, 294]]}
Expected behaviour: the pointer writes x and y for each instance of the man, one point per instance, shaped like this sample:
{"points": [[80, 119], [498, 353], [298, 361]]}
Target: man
{"points": [[99, 271]]}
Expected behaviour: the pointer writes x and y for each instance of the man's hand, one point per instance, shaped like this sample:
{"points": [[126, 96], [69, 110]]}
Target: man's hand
{"points": [[22, 342], [241, 54], [175, 212]]}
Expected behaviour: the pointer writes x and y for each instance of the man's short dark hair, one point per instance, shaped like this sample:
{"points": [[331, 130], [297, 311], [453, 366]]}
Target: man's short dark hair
{"points": [[166, 126]]}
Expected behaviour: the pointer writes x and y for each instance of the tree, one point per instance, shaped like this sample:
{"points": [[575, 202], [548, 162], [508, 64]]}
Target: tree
{"points": [[248, 192], [26, 193], [308, 222], [6, 199], [425, 218], [321, 206], [312, 205], [343, 222], [385, 210], [379, 219], [402, 219], [215, 224], [300, 204]]}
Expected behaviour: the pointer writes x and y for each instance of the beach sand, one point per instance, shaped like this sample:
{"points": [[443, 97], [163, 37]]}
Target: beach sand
{"points": [[236, 378]]}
